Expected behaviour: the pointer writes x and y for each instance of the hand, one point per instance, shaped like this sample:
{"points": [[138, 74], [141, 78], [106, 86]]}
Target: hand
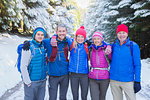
{"points": [[26, 45], [53, 41], [137, 87], [89, 42], [29, 85], [108, 50]]}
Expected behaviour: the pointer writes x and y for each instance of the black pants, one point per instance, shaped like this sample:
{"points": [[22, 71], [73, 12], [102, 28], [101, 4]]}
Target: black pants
{"points": [[82, 80], [63, 82], [98, 89]]}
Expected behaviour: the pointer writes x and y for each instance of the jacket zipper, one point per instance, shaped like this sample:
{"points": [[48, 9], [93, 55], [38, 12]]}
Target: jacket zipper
{"points": [[60, 61], [41, 63], [78, 61], [97, 63]]}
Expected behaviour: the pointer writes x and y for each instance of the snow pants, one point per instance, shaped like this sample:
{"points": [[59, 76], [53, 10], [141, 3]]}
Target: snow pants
{"points": [[76, 80], [98, 89], [36, 91], [63, 82], [117, 87]]}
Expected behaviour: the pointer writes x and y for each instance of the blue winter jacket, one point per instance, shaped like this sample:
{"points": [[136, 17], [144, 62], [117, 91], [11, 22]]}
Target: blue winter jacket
{"points": [[60, 66], [37, 67], [78, 62], [124, 67]]}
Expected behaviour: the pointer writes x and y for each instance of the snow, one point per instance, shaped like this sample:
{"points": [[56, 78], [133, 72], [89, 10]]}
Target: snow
{"points": [[112, 13], [123, 20], [41, 14], [121, 4], [137, 5], [10, 77], [142, 13], [124, 3]]}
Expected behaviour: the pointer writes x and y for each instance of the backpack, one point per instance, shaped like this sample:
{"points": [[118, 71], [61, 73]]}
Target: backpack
{"points": [[19, 52]]}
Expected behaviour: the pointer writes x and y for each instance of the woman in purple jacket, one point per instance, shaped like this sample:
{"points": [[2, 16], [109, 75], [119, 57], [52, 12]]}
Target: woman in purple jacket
{"points": [[99, 75]]}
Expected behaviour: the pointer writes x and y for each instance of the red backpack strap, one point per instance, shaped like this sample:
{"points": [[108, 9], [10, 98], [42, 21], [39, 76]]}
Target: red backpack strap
{"points": [[66, 50], [86, 49], [52, 58], [72, 47]]}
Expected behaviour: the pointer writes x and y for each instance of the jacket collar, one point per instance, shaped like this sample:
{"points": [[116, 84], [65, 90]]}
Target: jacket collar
{"points": [[97, 47], [36, 43], [126, 42], [63, 41]]}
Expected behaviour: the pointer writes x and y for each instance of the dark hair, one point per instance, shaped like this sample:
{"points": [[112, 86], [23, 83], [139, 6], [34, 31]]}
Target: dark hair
{"points": [[61, 25]]}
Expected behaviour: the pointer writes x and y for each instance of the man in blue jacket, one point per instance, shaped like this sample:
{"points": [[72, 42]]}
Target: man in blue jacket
{"points": [[58, 62], [125, 67]]}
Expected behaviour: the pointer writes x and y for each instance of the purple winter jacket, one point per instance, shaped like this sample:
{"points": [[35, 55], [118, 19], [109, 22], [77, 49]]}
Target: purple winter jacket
{"points": [[99, 64]]}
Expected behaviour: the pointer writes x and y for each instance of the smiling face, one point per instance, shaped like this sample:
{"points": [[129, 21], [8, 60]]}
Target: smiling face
{"points": [[97, 41], [122, 36], [39, 36], [61, 33], [80, 39]]}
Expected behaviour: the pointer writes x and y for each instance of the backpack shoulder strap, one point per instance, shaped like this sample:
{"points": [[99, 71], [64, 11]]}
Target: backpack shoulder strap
{"points": [[131, 48], [71, 46], [32, 48], [90, 51], [113, 44], [86, 49], [66, 50]]}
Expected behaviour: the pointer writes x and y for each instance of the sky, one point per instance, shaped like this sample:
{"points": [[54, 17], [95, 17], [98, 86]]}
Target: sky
{"points": [[82, 3]]}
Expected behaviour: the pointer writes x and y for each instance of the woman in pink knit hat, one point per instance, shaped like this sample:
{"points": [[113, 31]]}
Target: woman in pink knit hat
{"points": [[99, 75]]}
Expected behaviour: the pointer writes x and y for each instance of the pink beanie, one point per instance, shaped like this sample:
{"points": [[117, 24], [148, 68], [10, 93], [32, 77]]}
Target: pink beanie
{"points": [[122, 27], [99, 34], [81, 31]]}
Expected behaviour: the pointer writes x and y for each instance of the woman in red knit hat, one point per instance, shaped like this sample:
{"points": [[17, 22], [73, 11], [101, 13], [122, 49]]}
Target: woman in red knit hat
{"points": [[78, 65]]}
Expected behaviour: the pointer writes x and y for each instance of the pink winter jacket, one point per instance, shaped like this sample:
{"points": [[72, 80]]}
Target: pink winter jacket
{"points": [[99, 65]]}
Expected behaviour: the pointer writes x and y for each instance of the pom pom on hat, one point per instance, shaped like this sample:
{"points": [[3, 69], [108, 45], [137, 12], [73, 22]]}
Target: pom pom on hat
{"points": [[99, 34], [81, 31], [82, 27], [122, 27]]}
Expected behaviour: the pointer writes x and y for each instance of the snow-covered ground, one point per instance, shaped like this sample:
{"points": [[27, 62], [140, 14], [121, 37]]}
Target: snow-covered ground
{"points": [[11, 87]]}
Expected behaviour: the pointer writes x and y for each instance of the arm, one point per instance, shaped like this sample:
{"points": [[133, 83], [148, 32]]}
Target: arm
{"points": [[108, 49], [89, 42], [25, 60], [137, 62], [70, 40]]}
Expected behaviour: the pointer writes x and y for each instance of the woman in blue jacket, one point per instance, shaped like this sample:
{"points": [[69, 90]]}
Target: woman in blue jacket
{"points": [[125, 67], [78, 65]]}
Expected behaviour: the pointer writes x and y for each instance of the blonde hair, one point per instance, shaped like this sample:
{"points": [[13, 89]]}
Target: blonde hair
{"points": [[75, 43]]}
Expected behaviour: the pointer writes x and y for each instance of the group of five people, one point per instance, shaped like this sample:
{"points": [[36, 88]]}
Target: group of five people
{"points": [[40, 56]]}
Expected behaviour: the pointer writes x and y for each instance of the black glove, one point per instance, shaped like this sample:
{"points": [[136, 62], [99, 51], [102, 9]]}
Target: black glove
{"points": [[89, 42], [26, 45], [137, 87]]}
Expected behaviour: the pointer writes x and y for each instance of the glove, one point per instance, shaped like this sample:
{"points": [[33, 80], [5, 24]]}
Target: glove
{"points": [[137, 87], [26, 45], [89, 42], [53, 41], [108, 50]]}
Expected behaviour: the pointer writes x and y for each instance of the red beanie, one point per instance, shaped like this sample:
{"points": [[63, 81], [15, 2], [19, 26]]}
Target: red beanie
{"points": [[81, 31], [122, 27]]}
